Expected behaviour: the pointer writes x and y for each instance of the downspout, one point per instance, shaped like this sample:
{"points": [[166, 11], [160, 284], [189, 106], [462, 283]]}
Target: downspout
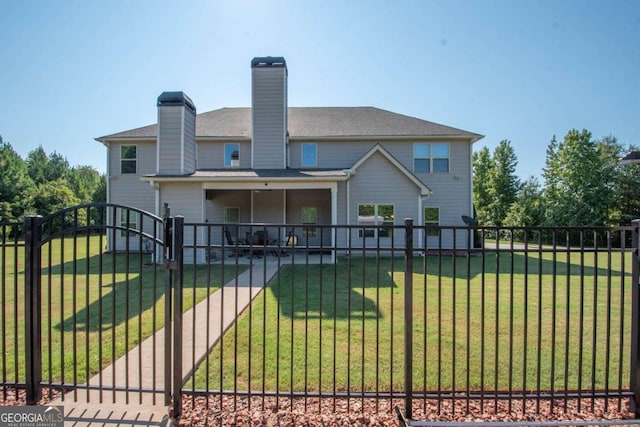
{"points": [[108, 190], [349, 173]]}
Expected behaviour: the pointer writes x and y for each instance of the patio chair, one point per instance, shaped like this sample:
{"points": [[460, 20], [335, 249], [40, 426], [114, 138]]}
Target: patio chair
{"points": [[290, 243], [236, 251], [253, 240], [262, 237]]}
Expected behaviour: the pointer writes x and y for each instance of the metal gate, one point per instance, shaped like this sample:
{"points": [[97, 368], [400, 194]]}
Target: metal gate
{"points": [[98, 298]]}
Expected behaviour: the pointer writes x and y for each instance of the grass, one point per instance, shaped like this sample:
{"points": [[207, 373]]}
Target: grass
{"points": [[95, 306], [514, 321]]}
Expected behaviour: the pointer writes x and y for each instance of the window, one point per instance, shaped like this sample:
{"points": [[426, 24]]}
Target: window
{"points": [[231, 155], [430, 157], [377, 218], [309, 154], [309, 216], [128, 159], [128, 221], [231, 215], [432, 217]]}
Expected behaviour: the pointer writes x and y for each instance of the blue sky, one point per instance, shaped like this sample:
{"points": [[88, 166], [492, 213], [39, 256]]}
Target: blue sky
{"points": [[72, 71]]}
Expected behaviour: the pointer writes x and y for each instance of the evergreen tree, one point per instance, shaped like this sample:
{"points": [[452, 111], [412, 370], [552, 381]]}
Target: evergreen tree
{"points": [[15, 183]]}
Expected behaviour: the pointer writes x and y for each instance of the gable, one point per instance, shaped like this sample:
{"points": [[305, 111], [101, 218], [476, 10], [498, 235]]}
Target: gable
{"points": [[378, 150]]}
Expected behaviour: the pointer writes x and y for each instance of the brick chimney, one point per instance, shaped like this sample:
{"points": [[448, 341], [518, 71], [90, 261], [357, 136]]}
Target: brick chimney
{"points": [[269, 112], [176, 144]]}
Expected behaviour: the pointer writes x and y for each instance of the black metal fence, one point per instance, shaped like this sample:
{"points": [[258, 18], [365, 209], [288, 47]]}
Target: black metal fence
{"points": [[445, 316], [440, 316]]}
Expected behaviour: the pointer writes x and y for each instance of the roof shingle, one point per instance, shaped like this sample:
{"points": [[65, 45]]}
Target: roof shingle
{"points": [[312, 122]]}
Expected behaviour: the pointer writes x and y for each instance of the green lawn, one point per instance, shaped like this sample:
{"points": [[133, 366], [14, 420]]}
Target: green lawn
{"points": [[114, 299], [320, 328]]}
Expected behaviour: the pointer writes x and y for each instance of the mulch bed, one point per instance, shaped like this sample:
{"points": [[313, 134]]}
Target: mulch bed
{"points": [[227, 411]]}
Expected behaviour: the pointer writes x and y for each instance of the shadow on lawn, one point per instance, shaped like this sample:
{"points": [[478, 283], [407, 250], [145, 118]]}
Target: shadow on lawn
{"points": [[516, 263], [346, 290], [351, 288], [130, 286]]}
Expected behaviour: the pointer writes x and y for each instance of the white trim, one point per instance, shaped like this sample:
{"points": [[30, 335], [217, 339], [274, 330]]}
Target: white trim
{"points": [[420, 218], [108, 172], [158, 144], [249, 180], [334, 220], [348, 202], [156, 190], [271, 185]]}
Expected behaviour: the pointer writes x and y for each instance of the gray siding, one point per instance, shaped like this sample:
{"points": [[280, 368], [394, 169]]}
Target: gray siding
{"points": [[174, 136], [128, 189], [169, 135], [186, 199], [451, 191], [269, 117], [268, 206], [321, 200], [190, 150], [211, 154], [377, 181]]}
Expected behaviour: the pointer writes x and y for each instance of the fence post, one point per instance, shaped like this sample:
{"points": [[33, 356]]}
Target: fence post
{"points": [[634, 379], [167, 256], [178, 240], [408, 318], [33, 309]]}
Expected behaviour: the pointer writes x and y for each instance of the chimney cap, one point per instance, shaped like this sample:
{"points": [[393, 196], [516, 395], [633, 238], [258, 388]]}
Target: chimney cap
{"points": [[176, 99], [268, 61]]}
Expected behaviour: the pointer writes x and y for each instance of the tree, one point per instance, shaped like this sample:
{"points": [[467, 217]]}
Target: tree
{"points": [[528, 210], [626, 189], [43, 168], [15, 183], [53, 196], [84, 181], [576, 190], [482, 166], [503, 182]]}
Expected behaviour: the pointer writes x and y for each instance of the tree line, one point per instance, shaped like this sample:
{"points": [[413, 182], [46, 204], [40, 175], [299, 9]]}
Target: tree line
{"points": [[44, 183], [584, 184]]}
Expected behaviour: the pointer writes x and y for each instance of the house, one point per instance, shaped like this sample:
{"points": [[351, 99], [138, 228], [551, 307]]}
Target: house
{"points": [[276, 164]]}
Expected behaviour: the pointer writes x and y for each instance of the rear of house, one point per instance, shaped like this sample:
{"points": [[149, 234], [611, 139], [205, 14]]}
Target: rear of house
{"points": [[275, 164]]}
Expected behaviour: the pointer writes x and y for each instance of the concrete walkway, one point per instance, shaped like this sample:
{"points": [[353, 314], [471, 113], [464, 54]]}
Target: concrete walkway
{"points": [[106, 408]]}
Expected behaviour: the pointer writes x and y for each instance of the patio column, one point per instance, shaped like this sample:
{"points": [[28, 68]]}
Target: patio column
{"points": [[334, 218]]}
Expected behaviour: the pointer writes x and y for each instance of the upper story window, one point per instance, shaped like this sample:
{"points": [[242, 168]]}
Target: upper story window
{"points": [[231, 155], [128, 159], [430, 157], [309, 154]]}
